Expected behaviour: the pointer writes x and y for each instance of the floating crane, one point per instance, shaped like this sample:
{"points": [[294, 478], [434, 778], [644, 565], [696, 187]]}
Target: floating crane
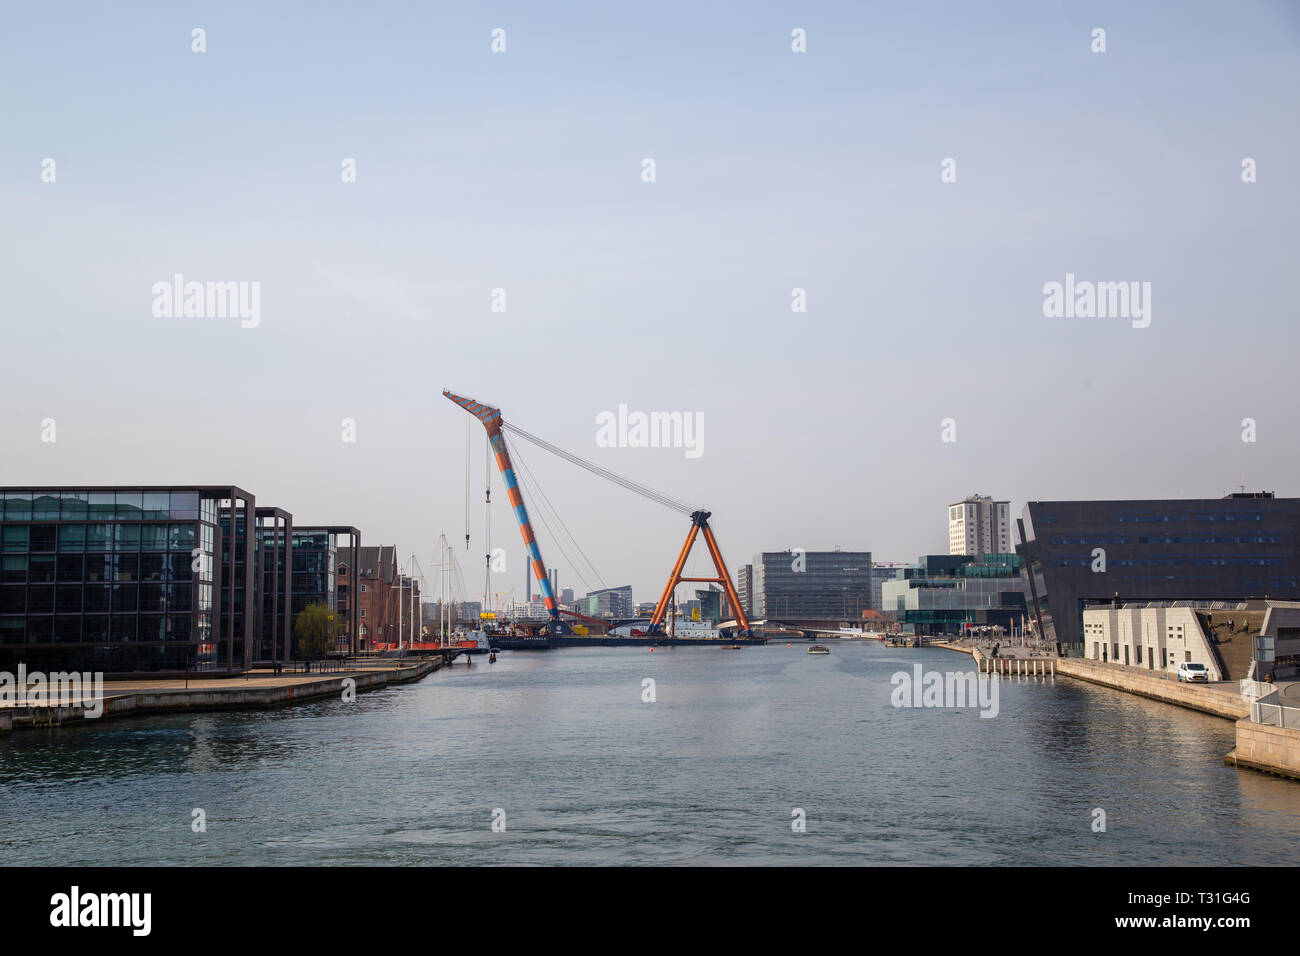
{"points": [[496, 428]]}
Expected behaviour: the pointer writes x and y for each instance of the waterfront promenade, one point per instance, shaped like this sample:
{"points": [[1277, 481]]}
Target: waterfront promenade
{"points": [[251, 691], [1221, 699]]}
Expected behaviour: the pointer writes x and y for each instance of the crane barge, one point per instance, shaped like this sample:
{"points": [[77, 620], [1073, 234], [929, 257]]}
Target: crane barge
{"points": [[495, 425]]}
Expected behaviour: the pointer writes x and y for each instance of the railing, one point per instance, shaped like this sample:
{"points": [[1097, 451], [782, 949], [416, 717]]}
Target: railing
{"points": [[1268, 711], [1253, 690]]}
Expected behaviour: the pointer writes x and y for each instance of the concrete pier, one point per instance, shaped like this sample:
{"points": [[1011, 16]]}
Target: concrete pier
{"points": [[255, 691]]}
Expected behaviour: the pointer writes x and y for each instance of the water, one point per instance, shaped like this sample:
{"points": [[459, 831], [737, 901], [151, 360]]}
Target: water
{"points": [[710, 773]]}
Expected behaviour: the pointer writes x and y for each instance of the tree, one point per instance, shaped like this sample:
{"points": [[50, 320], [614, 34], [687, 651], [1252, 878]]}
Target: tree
{"points": [[315, 631]]}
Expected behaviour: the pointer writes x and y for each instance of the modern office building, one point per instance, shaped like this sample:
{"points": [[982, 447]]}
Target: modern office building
{"points": [[314, 578], [1077, 553], [534, 610], [978, 525], [946, 594], [880, 573], [123, 578], [609, 603], [713, 604], [811, 586], [745, 588], [149, 578], [286, 562]]}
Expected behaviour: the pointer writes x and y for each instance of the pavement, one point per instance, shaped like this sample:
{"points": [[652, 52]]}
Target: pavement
{"points": [[259, 678], [1289, 691], [1005, 650]]}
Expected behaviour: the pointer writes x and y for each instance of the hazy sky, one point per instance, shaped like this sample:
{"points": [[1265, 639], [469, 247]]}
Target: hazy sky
{"points": [[775, 170]]}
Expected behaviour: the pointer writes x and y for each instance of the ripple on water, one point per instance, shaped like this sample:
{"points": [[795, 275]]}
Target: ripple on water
{"points": [[710, 773]]}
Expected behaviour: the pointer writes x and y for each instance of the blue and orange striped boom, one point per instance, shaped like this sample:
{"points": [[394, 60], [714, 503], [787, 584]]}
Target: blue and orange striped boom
{"points": [[491, 419]]}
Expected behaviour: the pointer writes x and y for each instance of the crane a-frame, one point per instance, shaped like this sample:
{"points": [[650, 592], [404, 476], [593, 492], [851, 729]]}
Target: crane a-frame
{"points": [[496, 426]]}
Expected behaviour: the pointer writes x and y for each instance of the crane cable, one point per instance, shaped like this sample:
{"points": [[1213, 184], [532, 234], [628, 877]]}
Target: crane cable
{"points": [[467, 484], [535, 491], [676, 504]]}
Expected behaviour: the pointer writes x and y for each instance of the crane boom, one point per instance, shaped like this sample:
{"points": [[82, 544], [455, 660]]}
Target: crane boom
{"points": [[491, 419]]}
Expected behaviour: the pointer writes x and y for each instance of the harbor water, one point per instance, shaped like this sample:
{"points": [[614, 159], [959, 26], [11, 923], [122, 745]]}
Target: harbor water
{"points": [[763, 755]]}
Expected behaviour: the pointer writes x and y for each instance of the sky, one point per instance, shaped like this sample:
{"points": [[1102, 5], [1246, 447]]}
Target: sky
{"points": [[774, 170]]}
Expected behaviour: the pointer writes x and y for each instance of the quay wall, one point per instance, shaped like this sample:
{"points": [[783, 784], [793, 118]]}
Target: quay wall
{"points": [[1273, 750], [214, 695], [1225, 702], [1217, 701]]}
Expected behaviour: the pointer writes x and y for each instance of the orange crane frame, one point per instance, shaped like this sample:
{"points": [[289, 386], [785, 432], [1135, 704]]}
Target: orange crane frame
{"points": [[700, 523]]}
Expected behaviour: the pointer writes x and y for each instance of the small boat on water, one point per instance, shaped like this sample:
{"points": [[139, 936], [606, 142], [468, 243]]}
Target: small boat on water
{"points": [[818, 649]]}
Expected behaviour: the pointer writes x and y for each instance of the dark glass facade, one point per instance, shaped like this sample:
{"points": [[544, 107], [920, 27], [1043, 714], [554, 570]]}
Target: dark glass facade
{"points": [[239, 590], [109, 579], [275, 548], [1215, 549], [313, 580], [831, 585], [124, 579]]}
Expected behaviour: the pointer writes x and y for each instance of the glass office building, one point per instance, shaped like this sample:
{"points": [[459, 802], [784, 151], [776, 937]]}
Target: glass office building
{"points": [[610, 603], [944, 593], [114, 579], [148, 579], [314, 559], [811, 585], [1077, 553]]}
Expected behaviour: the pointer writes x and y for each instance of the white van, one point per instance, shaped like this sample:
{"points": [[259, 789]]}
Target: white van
{"points": [[1191, 671]]}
